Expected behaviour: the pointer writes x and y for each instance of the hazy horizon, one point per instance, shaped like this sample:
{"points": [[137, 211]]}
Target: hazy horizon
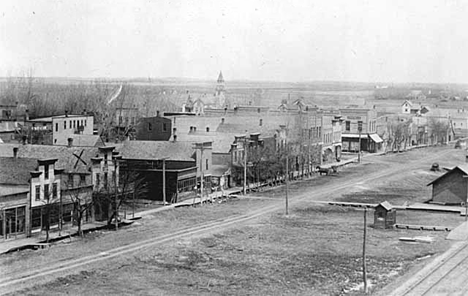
{"points": [[381, 42]]}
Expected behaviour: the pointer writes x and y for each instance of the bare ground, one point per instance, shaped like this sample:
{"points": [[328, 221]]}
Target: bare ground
{"points": [[315, 250]]}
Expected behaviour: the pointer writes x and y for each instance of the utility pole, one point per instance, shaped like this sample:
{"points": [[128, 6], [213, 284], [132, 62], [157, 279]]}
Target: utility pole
{"points": [[115, 195], [359, 148], [287, 177], [164, 180], [201, 147], [364, 267], [245, 165]]}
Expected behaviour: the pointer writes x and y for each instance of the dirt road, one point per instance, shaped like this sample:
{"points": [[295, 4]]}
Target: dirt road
{"points": [[14, 280]]}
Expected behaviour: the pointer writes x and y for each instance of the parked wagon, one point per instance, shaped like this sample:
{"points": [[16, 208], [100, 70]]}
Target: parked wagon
{"points": [[327, 171]]}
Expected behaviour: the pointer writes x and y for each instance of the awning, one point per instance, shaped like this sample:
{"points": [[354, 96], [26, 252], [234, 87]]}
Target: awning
{"points": [[376, 138], [354, 136]]}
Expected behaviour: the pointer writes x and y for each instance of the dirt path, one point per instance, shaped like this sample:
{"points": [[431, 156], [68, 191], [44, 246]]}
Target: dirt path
{"points": [[17, 280]]}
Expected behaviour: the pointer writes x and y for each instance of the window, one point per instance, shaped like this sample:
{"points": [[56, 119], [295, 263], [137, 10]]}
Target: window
{"points": [[54, 190], [105, 159], [38, 192], [348, 125], [46, 171], [150, 126], [46, 191], [74, 123], [359, 124], [70, 180], [82, 179], [164, 127], [98, 179], [105, 180], [64, 124], [56, 127], [120, 120], [70, 125], [36, 218], [206, 164], [85, 122]]}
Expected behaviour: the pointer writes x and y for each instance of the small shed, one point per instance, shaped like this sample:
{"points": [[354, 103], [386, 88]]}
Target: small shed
{"points": [[384, 215]]}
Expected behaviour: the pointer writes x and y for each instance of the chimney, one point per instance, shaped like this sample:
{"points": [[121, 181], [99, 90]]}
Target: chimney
{"points": [[194, 129], [157, 113], [66, 113], [191, 129], [70, 142], [207, 129], [15, 152], [175, 138], [84, 112], [222, 120], [26, 114]]}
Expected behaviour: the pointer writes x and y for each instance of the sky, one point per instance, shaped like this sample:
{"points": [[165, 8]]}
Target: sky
{"points": [[329, 40]]}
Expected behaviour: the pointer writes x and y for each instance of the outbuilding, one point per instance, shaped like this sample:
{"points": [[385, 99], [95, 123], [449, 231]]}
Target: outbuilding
{"points": [[384, 215], [451, 187]]}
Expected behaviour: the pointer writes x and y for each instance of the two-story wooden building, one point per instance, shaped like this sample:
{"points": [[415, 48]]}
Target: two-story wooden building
{"points": [[360, 126]]}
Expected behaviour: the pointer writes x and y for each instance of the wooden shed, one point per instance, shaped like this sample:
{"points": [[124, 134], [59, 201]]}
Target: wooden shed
{"points": [[384, 215], [451, 187]]}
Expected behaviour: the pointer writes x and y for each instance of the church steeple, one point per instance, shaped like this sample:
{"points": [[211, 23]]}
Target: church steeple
{"points": [[220, 78], [220, 84]]}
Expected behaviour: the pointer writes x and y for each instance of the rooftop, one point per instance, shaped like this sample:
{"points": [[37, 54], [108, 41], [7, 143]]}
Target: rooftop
{"points": [[68, 157], [181, 151], [16, 171]]}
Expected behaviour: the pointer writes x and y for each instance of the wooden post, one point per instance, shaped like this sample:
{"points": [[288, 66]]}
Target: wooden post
{"points": [[245, 165], [164, 180], [287, 178], [364, 267]]}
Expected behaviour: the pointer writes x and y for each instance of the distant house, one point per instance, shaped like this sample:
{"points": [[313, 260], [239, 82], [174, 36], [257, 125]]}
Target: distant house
{"points": [[451, 188], [406, 107]]}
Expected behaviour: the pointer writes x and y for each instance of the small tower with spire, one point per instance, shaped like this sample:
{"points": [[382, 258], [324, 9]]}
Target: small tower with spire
{"points": [[220, 84]]}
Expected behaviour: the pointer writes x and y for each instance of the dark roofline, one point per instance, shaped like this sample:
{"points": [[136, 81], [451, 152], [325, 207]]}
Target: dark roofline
{"points": [[449, 172]]}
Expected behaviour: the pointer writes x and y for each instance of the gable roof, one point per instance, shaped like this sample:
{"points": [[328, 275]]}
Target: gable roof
{"points": [[461, 169], [67, 157], [16, 171], [181, 151], [386, 205], [409, 103]]}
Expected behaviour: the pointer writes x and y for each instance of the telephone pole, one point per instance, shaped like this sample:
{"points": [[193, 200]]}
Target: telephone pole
{"points": [[245, 165]]}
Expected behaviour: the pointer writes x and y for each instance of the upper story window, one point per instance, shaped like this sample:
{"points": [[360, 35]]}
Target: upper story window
{"points": [[348, 125], [54, 190], [38, 192], [64, 124], [70, 125], [56, 127], [150, 126], [46, 171], [206, 164], [46, 192], [164, 127], [85, 122]]}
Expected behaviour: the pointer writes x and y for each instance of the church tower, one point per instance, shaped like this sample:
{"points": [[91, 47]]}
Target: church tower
{"points": [[220, 84]]}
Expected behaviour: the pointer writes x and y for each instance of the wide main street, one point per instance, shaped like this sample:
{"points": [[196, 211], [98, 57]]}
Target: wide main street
{"points": [[60, 261]]}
